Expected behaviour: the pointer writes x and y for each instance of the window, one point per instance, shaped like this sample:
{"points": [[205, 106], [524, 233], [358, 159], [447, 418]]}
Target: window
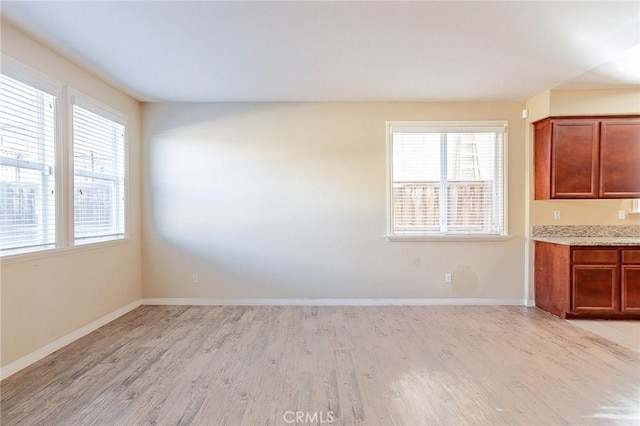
{"points": [[27, 167], [55, 192], [98, 173], [446, 179]]}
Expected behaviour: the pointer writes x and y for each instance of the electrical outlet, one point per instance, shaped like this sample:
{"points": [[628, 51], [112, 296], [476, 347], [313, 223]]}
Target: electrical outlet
{"points": [[556, 215], [447, 278], [195, 278], [621, 214]]}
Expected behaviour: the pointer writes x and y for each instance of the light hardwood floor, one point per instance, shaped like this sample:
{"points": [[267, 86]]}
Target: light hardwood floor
{"points": [[624, 333], [349, 365]]}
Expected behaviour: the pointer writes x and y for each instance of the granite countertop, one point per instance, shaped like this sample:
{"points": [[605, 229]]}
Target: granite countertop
{"points": [[591, 241], [588, 235]]}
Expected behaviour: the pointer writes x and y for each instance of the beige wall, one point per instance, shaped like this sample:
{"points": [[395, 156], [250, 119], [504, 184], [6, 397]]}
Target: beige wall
{"points": [[44, 298], [288, 201], [585, 102]]}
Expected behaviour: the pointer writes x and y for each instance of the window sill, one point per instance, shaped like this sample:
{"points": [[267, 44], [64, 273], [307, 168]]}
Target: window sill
{"points": [[448, 238], [62, 251]]}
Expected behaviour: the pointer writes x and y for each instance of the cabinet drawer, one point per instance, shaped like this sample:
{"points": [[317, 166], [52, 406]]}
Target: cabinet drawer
{"points": [[602, 256], [631, 256]]}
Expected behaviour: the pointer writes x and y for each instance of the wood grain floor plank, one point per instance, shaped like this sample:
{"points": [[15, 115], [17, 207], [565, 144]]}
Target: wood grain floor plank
{"points": [[235, 365]]}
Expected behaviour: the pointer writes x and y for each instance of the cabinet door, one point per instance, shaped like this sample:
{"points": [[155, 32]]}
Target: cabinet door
{"points": [[574, 158], [630, 288], [620, 158], [594, 289], [552, 277], [542, 159]]}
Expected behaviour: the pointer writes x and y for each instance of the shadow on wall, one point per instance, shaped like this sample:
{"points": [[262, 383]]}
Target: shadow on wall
{"points": [[288, 200], [269, 202]]}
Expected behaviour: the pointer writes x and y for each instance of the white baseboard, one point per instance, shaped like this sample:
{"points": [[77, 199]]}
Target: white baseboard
{"points": [[529, 303], [335, 302], [37, 355]]}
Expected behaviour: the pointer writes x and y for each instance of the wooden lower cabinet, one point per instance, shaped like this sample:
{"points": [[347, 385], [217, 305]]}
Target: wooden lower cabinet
{"points": [[587, 282], [630, 289], [594, 289]]}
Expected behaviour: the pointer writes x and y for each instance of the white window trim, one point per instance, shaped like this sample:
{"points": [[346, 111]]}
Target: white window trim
{"points": [[27, 75], [76, 97], [449, 238], [60, 251], [437, 126]]}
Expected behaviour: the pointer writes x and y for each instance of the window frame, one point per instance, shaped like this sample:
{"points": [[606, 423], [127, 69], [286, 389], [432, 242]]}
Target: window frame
{"points": [[30, 77], [77, 98], [63, 94], [447, 236]]}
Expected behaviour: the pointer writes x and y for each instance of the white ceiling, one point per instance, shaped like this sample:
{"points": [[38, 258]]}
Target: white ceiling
{"points": [[342, 51]]}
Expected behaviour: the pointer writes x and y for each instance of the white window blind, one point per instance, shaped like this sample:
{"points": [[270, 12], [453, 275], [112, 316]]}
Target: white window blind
{"points": [[98, 175], [27, 167], [447, 179]]}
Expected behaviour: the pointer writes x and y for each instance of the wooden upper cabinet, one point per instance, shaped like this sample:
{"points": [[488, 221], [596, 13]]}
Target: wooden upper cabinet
{"points": [[542, 159], [574, 159], [587, 157], [620, 158]]}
